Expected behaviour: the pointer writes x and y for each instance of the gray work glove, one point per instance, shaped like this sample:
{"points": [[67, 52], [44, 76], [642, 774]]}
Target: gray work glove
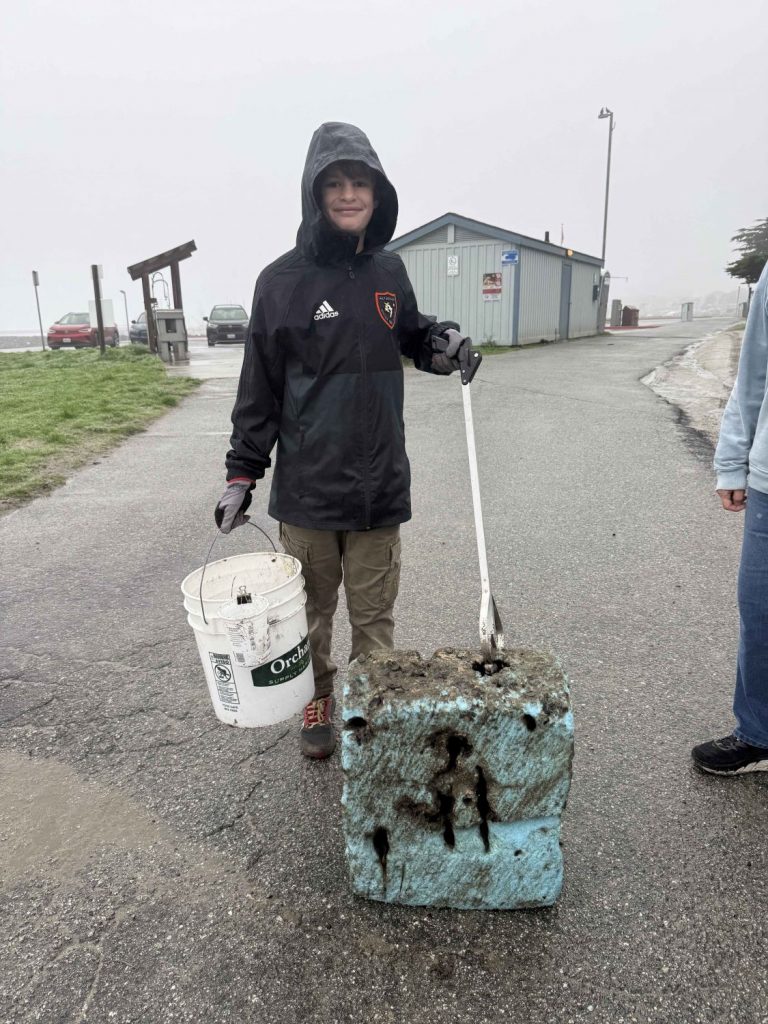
{"points": [[230, 511], [446, 346]]}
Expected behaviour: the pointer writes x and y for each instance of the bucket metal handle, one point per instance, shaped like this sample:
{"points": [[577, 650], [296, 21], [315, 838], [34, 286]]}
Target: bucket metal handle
{"points": [[207, 557]]}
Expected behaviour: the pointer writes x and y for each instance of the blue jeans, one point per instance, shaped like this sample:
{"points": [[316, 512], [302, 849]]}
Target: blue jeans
{"points": [[750, 702]]}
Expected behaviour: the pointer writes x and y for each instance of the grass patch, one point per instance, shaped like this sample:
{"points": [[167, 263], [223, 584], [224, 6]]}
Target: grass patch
{"points": [[61, 408], [493, 349]]}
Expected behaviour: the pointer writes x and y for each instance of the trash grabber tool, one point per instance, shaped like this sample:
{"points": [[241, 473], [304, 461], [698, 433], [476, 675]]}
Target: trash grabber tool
{"points": [[491, 630]]}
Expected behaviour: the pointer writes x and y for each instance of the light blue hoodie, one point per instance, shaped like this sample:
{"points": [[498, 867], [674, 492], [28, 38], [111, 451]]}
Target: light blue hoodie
{"points": [[742, 449]]}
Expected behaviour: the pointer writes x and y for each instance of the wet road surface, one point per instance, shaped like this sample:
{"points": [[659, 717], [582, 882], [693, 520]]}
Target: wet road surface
{"points": [[158, 866]]}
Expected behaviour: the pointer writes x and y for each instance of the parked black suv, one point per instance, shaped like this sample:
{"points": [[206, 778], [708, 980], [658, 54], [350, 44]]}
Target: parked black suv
{"points": [[137, 332], [225, 324]]}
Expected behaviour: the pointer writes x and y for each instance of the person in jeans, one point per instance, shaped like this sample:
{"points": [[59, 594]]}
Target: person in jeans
{"points": [[322, 377], [741, 462]]}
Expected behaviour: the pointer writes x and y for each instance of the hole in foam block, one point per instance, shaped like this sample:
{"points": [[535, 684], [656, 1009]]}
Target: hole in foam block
{"points": [[483, 808], [456, 746], [359, 727], [381, 846], [445, 802], [489, 668]]}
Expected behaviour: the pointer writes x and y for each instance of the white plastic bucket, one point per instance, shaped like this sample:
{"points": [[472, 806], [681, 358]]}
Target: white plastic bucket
{"points": [[255, 655]]}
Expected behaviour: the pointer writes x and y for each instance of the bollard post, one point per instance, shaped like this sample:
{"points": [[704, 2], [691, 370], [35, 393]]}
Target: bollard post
{"points": [[36, 282]]}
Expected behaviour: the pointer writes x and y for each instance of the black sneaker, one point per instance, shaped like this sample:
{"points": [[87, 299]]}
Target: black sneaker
{"points": [[730, 756], [317, 738]]}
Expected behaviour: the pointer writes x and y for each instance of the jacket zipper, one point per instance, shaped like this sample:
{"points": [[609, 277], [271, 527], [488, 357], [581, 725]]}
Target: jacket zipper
{"points": [[366, 429]]}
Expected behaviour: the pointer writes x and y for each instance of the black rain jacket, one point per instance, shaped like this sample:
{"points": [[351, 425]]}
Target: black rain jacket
{"points": [[322, 373]]}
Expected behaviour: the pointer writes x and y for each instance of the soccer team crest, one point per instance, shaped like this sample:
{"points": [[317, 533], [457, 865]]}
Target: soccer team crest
{"points": [[386, 306]]}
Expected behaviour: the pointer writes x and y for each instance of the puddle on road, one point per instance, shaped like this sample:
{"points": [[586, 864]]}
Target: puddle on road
{"points": [[54, 822]]}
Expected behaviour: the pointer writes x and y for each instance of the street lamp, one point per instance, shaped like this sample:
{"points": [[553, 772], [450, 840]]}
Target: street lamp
{"points": [[127, 321], [605, 112]]}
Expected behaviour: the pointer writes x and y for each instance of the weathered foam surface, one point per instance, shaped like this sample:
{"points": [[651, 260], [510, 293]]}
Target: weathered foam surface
{"points": [[455, 780]]}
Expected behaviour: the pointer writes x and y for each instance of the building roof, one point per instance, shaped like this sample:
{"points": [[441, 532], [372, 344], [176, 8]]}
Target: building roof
{"points": [[490, 231]]}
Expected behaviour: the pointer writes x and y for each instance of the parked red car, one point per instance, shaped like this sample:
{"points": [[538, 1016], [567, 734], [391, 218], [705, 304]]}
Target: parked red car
{"points": [[74, 330]]}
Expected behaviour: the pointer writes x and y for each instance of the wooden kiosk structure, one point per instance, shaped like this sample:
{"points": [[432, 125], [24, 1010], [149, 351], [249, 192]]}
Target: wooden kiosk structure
{"points": [[146, 268]]}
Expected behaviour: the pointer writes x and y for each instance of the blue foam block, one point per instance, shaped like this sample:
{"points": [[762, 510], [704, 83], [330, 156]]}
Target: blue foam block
{"points": [[455, 779]]}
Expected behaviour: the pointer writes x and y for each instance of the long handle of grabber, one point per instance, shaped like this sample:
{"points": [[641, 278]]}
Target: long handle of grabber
{"points": [[475, 482]]}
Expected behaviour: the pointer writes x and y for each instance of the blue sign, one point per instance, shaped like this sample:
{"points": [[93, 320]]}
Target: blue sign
{"points": [[510, 256]]}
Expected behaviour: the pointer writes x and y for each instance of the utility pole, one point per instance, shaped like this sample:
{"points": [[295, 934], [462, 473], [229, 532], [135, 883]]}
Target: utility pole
{"points": [[96, 274], [605, 112], [36, 282]]}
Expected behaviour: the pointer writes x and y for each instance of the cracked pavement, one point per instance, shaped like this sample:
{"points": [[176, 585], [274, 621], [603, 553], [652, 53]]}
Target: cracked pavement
{"points": [[159, 866]]}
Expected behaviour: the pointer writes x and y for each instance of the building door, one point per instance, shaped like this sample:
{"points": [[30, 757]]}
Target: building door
{"points": [[565, 300]]}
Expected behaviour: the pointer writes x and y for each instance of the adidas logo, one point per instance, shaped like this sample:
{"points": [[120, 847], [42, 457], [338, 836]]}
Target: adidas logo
{"points": [[325, 311]]}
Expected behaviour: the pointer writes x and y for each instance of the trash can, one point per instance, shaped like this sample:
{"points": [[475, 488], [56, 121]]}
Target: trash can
{"points": [[630, 316]]}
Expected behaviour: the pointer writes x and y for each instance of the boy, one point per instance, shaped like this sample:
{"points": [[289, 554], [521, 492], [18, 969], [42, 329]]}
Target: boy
{"points": [[322, 376]]}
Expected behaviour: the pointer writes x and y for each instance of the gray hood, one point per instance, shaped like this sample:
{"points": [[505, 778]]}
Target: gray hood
{"points": [[316, 238]]}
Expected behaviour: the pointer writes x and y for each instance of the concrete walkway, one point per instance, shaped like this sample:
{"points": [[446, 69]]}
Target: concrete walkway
{"points": [[157, 866]]}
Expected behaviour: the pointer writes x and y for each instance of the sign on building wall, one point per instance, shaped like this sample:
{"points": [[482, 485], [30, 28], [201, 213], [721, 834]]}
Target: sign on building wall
{"points": [[491, 287], [510, 256], [453, 264]]}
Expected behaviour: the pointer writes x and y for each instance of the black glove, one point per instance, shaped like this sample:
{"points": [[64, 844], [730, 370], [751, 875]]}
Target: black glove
{"points": [[447, 348], [437, 333], [230, 511]]}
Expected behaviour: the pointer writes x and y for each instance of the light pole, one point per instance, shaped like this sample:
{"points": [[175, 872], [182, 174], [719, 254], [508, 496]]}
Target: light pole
{"points": [[127, 321], [605, 112]]}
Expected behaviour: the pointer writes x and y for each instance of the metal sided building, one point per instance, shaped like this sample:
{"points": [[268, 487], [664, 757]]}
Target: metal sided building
{"points": [[502, 287]]}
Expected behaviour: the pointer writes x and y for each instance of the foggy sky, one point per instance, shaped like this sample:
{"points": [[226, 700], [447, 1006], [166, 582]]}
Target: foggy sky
{"points": [[130, 128]]}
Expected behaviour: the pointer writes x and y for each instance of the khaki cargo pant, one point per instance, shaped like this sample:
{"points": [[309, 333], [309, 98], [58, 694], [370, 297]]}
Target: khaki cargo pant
{"points": [[369, 563]]}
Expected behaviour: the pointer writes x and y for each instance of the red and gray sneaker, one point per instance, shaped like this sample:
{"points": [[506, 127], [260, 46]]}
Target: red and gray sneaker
{"points": [[730, 756], [317, 738]]}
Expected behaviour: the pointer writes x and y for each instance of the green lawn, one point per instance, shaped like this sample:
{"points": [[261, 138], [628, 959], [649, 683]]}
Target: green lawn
{"points": [[61, 408]]}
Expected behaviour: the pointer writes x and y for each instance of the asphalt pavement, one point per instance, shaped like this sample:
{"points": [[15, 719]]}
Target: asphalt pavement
{"points": [[159, 866]]}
